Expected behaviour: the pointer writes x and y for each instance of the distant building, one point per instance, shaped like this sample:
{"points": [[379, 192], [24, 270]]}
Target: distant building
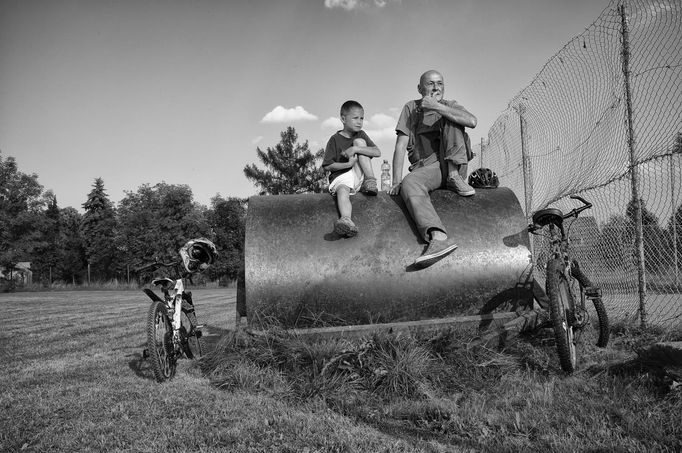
{"points": [[21, 273]]}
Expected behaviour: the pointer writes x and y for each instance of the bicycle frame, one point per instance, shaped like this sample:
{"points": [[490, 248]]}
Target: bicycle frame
{"points": [[568, 311], [173, 292], [560, 249], [172, 328]]}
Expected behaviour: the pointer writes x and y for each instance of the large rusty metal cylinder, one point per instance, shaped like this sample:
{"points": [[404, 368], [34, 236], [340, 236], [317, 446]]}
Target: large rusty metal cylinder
{"points": [[299, 272]]}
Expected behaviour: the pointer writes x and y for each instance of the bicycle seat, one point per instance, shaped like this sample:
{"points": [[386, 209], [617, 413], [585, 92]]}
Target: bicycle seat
{"points": [[163, 281], [548, 216]]}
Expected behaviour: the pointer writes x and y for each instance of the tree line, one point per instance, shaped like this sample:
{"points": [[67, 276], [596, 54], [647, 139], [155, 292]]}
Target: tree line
{"points": [[109, 241]]}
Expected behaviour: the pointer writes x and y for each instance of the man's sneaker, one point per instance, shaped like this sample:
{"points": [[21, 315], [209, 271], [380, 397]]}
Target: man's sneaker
{"points": [[369, 187], [435, 251], [459, 186], [345, 227]]}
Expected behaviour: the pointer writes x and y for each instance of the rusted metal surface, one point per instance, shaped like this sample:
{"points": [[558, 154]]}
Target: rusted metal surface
{"points": [[300, 272], [407, 326]]}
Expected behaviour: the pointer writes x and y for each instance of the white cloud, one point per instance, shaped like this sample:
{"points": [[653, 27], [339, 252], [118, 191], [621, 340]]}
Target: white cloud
{"points": [[256, 140], [345, 4], [381, 120], [379, 126], [386, 133], [350, 5], [283, 115], [332, 123]]}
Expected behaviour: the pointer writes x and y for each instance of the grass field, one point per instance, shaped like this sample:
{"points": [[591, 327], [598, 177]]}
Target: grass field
{"points": [[74, 380]]}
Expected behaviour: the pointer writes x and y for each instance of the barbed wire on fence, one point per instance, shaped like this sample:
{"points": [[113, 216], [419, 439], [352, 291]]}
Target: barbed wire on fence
{"points": [[603, 118]]}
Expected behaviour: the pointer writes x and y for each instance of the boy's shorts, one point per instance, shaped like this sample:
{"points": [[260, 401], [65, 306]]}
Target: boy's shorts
{"points": [[349, 179]]}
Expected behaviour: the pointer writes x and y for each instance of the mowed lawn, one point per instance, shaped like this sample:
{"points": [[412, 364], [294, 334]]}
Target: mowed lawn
{"points": [[73, 379]]}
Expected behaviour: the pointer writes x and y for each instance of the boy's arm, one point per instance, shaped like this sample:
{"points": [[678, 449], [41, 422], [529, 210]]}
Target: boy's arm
{"points": [[370, 151], [334, 166]]}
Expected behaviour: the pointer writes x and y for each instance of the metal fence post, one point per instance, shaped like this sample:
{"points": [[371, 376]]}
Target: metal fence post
{"points": [[481, 156], [527, 171], [634, 180], [673, 221]]}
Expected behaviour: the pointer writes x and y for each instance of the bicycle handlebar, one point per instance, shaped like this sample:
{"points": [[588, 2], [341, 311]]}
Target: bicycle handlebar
{"points": [[576, 211], [154, 265]]}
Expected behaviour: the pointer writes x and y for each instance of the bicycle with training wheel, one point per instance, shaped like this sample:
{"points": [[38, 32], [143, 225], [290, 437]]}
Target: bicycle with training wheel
{"points": [[567, 286], [172, 328]]}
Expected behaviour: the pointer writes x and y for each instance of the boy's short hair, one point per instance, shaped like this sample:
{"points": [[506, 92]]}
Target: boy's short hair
{"points": [[348, 105]]}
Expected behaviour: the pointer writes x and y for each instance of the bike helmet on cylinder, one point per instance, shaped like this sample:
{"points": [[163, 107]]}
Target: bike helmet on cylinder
{"points": [[483, 178], [198, 254]]}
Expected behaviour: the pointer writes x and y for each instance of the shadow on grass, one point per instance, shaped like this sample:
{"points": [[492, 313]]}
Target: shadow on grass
{"points": [[141, 366]]}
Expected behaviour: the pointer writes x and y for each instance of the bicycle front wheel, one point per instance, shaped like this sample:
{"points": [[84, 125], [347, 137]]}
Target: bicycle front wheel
{"points": [[602, 317], [192, 341], [160, 342], [560, 309]]}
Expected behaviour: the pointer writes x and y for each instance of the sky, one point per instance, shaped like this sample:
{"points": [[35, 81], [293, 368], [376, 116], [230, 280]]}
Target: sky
{"points": [[183, 92]]}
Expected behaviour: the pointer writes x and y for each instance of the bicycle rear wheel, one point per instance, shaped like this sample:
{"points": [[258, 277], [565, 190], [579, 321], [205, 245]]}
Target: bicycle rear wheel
{"points": [[160, 342], [602, 317], [191, 337], [560, 309]]}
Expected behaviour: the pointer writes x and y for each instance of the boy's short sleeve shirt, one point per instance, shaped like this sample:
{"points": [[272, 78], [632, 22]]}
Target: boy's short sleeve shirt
{"points": [[422, 128], [336, 145]]}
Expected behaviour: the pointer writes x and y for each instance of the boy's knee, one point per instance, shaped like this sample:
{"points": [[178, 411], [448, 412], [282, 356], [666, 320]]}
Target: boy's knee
{"points": [[359, 142]]}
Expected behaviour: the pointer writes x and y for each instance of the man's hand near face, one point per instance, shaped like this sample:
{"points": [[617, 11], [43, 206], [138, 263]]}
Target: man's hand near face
{"points": [[429, 102]]}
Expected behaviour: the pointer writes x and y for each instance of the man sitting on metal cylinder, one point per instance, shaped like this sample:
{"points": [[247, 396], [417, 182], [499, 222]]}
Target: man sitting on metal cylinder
{"points": [[348, 159], [431, 131]]}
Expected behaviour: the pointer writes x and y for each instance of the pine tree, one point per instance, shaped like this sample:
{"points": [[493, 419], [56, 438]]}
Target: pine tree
{"points": [[293, 168], [98, 229]]}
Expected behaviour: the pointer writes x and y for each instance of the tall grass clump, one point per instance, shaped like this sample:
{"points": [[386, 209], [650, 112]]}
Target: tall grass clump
{"points": [[430, 385]]}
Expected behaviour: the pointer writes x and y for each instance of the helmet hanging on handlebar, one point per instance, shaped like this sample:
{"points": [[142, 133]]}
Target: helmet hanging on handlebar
{"points": [[484, 178], [198, 254]]}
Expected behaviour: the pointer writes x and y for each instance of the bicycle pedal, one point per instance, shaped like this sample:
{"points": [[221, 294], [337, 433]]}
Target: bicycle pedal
{"points": [[199, 326], [593, 292]]}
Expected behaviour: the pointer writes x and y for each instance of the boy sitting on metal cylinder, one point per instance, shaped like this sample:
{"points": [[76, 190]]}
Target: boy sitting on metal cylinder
{"points": [[347, 158]]}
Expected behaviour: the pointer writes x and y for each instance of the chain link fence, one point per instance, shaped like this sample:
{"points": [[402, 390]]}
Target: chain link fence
{"points": [[603, 120]]}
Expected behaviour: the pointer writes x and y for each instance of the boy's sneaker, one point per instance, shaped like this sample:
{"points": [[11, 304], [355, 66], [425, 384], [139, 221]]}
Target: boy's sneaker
{"points": [[435, 251], [459, 186], [345, 227], [369, 187]]}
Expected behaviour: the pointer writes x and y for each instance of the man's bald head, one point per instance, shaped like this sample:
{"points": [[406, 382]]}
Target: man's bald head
{"points": [[427, 74], [431, 84]]}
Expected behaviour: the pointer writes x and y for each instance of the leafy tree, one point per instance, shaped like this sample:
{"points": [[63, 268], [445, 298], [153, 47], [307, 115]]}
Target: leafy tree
{"points": [[98, 229], [674, 231], [228, 218], [157, 220], [48, 254], [21, 213], [653, 236], [677, 146], [616, 242], [293, 168], [71, 265]]}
